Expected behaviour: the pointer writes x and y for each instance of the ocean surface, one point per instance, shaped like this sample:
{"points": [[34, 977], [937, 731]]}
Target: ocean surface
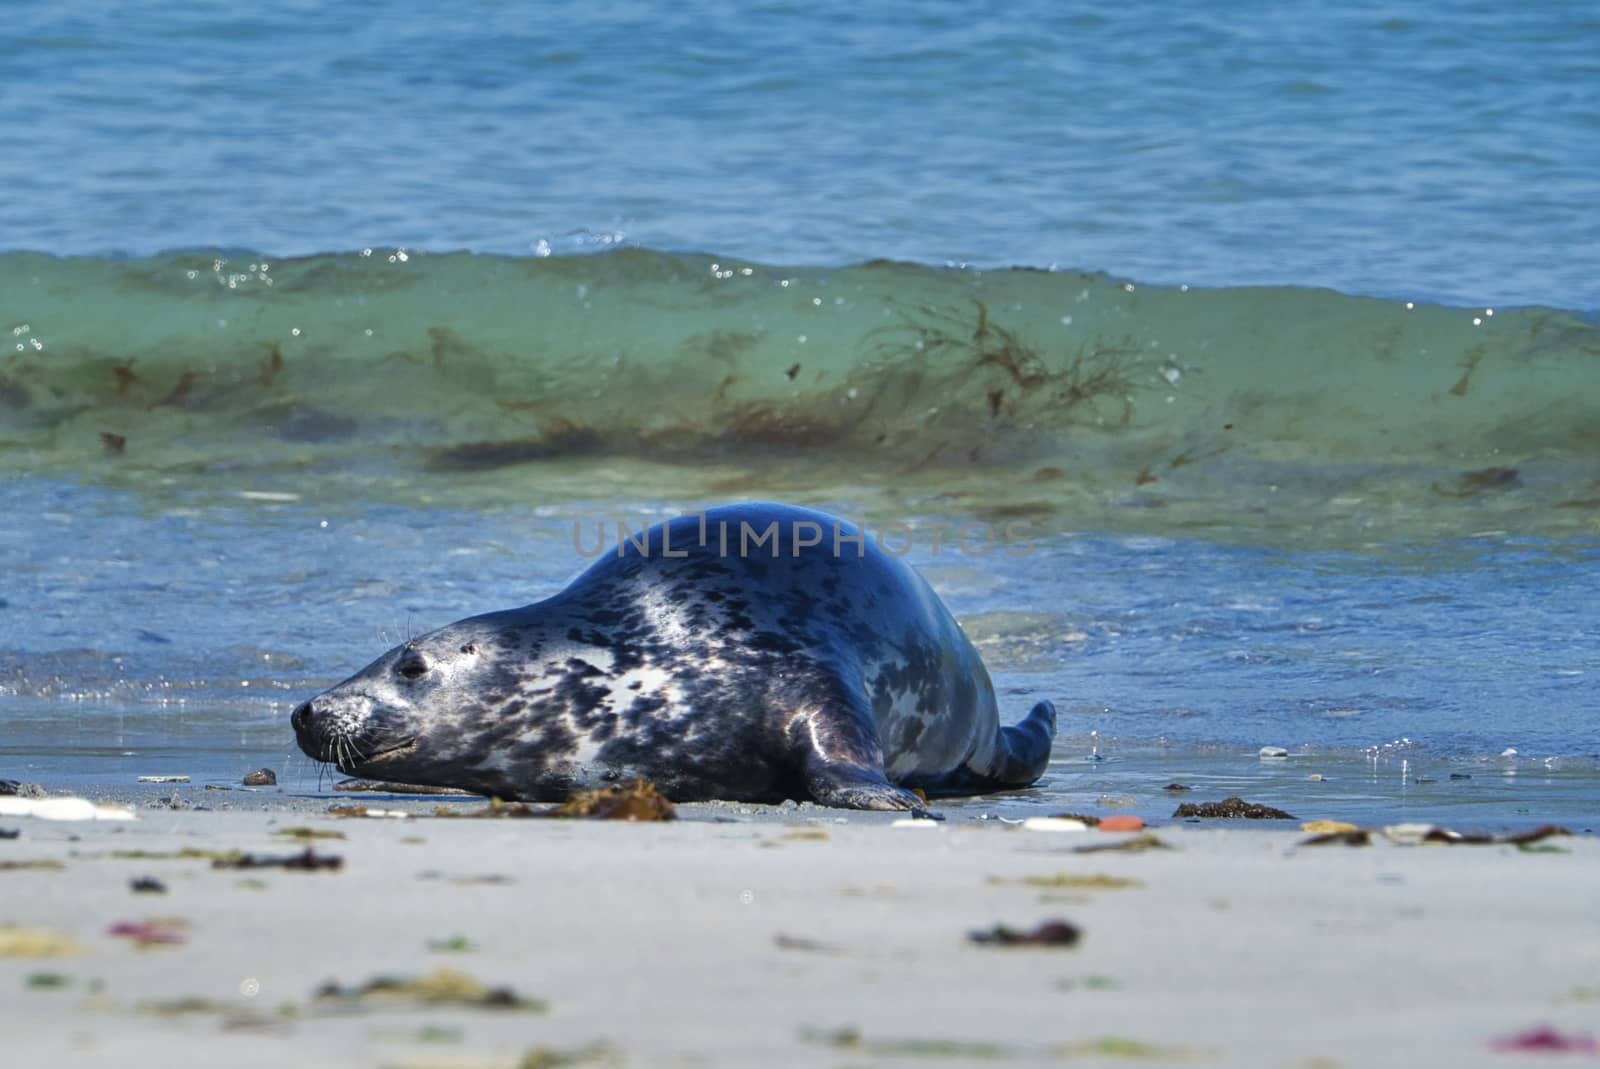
{"points": [[1235, 372]]}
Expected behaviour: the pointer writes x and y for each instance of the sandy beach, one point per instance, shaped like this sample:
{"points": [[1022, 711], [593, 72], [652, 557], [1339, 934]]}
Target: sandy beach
{"points": [[787, 936]]}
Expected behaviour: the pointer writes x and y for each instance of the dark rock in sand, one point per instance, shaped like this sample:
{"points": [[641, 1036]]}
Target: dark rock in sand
{"points": [[1234, 808]]}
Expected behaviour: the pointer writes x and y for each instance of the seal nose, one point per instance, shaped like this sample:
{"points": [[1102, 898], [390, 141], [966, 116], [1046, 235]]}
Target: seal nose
{"points": [[300, 719]]}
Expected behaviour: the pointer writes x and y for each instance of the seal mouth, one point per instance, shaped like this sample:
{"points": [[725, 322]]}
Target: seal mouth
{"points": [[404, 748], [393, 752]]}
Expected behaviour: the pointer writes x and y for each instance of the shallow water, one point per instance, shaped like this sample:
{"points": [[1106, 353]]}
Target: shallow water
{"points": [[1294, 404], [139, 641]]}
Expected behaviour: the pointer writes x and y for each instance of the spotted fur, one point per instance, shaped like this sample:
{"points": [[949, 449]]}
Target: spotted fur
{"points": [[784, 670]]}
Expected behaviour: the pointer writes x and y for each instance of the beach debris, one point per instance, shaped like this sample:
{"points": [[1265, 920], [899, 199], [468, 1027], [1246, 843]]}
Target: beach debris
{"points": [[1053, 824], [10, 833], [1055, 933], [1327, 827], [47, 981], [1315, 777], [1121, 1047], [156, 932], [452, 944], [363, 811], [261, 777], [217, 787], [308, 860], [1234, 808], [1416, 834], [476, 879], [1086, 818], [61, 809], [1071, 881], [180, 1006], [19, 942], [147, 885], [638, 800], [163, 779], [379, 786], [804, 833], [1137, 844], [173, 802], [851, 1039], [1122, 823], [45, 864], [1347, 836], [597, 1053], [301, 832], [12, 788], [912, 822], [442, 987], [1176, 787], [796, 942], [495, 810], [1545, 1039], [1460, 775], [1272, 753], [188, 853]]}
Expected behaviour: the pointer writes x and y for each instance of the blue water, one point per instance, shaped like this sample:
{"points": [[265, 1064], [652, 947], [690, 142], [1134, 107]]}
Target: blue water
{"points": [[1439, 151], [210, 516]]}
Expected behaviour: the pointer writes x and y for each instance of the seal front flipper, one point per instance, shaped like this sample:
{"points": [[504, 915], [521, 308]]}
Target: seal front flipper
{"points": [[840, 757], [853, 787]]}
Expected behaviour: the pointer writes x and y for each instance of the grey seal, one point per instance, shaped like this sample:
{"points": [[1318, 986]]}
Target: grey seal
{"points": [[752, 652]]}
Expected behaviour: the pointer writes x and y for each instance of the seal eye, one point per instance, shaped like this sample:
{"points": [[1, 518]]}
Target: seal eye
{"points": [[412, 668]]}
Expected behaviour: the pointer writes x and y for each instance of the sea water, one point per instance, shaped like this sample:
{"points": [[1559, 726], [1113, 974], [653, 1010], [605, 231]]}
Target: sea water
{"points": [[1232, 374]]}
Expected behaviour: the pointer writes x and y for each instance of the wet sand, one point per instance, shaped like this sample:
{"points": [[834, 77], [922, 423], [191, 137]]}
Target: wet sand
{"points": [[765, 936]]}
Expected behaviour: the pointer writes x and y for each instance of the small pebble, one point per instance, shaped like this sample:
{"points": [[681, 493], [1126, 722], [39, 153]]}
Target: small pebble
{"points": [[1268, 752], [1054, 824], [261, 777]]}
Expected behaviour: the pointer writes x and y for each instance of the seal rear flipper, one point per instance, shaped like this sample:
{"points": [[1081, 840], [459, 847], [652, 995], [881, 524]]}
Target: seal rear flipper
{"points": [[1020, 755], [1024, 748]]}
